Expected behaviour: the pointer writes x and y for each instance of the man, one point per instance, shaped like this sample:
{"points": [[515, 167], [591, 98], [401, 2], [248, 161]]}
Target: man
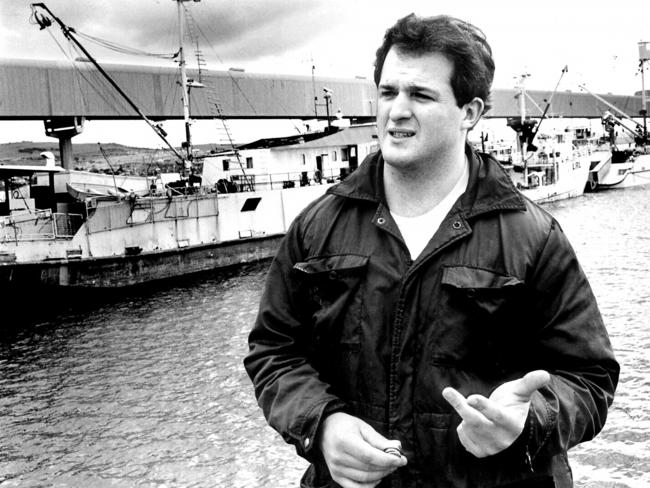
{"points": [[423, 324]]}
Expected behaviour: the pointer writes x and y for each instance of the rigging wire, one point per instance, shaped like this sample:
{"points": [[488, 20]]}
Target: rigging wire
{"points": [[98, 85], [77, 74], [232, 78], [94, 80], [43, 22], [194, 40], [169, 85], [67, 31], [122, 49]]}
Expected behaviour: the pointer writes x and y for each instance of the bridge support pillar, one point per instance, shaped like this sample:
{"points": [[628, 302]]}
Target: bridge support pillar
{"points": [[64, 129]]}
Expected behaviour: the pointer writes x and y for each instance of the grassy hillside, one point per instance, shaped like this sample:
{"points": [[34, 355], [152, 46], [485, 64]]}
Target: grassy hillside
{"points": [[89, 157]]}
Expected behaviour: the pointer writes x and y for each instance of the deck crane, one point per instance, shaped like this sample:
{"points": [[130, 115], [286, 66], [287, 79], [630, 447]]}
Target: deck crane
{"points": [[640, 133], [609, 120], [526, 128], [44, 17]]}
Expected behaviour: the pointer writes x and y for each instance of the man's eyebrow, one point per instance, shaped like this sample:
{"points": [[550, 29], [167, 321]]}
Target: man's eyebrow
{"points": [[423, 89], [411, 87], [414, 87]]}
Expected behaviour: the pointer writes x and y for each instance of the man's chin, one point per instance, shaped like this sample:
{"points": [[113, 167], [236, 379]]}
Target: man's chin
{"points": [[396, 157]]}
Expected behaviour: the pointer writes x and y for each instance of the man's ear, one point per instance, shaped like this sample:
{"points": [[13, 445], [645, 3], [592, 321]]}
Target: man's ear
{"points": [[473, 111]]}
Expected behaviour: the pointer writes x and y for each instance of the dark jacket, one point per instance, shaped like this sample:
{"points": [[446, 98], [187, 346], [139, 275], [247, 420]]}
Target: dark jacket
{"points": [[348, 322]]}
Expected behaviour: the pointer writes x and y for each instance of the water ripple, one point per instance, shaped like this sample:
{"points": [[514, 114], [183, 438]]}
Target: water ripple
{"points": [[148, 390]]}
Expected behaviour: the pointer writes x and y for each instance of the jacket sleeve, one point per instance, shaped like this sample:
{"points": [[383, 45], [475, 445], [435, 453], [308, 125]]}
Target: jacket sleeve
{"points": [[288, 388], [573, 345]]}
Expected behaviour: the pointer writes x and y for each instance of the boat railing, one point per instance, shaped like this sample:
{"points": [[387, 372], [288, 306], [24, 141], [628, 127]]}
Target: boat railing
{"points": [[280, 180], [40, 225]]}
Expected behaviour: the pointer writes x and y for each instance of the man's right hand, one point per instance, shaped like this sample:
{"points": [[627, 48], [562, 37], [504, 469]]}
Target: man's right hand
{"points": [[354, 451]]}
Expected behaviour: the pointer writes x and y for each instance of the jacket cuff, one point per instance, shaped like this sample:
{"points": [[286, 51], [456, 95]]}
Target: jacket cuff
{"points": [[306, 442], [527, 446], [539, 427]]}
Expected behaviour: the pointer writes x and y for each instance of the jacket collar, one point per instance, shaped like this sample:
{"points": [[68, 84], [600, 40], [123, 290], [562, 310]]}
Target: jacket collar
{"points": [[489, 187]]}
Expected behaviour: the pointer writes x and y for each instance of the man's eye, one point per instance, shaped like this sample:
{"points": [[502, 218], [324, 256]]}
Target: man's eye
{"points": [[422, 96], [387, 93]]}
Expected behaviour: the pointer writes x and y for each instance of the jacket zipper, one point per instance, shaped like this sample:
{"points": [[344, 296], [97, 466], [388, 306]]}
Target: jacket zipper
{"points": [[397, 327]]}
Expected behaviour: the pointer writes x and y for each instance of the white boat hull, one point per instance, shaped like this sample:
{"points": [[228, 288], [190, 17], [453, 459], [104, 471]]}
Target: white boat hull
{"points": [[628, 174], [570, 182], [127, 242]]}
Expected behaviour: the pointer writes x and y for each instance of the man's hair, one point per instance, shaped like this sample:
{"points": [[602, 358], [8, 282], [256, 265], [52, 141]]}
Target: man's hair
{"points": [[461, 42]]}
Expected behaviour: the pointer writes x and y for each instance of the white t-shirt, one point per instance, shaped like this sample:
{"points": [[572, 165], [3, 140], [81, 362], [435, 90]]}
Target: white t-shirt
{"points": [[418, 231]]}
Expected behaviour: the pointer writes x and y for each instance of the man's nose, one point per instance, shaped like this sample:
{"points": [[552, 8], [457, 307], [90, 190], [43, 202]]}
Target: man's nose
{"points": [[401, 107]]}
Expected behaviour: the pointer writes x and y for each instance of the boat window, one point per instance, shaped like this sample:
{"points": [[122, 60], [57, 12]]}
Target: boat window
{"points": [[249, 163], [334, 155], [226, 164]]}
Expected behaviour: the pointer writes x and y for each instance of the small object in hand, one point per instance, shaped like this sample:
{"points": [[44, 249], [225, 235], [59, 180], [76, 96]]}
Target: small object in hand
{"points": [[395, 451]]}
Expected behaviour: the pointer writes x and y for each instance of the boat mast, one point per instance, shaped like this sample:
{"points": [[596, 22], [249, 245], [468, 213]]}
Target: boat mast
{"points": [[185, 95], [523, 124], [644, 55], [522, 97], [548, 103]]}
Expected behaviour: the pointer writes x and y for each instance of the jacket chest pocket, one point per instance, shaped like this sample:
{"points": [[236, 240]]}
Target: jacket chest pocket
{"points": [[478, 319], [332, 286]]}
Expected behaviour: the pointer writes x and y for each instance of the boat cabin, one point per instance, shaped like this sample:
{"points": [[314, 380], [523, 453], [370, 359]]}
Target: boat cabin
{"points": [[286, 162], [18, 195]]}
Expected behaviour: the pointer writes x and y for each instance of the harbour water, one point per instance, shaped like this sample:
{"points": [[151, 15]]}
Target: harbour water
{"points": [[147, 389]]}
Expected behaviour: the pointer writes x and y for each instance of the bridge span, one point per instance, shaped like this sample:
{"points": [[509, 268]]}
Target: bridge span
{"points": [[64, 94], [35, 90]]}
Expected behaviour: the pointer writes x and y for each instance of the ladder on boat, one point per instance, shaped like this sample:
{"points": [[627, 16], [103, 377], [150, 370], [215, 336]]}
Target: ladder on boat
{"points": [[224, 132]]}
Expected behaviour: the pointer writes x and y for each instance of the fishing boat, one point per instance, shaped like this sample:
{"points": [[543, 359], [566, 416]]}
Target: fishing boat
{"points": [[555, 170], [70, 229], [628, 163]]}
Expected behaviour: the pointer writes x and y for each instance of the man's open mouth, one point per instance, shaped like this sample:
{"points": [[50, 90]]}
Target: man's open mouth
{"points": [[401, 133]]}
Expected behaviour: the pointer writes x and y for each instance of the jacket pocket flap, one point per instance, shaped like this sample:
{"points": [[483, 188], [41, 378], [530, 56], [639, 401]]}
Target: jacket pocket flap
{"points": [[337, 263], [476, 278]]}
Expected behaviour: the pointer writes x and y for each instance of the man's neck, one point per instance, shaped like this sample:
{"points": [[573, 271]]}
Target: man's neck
{"points": [[415, 191]]}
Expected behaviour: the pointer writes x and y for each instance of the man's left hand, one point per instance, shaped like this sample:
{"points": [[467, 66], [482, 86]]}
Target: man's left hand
{"points": [[490, 425]]}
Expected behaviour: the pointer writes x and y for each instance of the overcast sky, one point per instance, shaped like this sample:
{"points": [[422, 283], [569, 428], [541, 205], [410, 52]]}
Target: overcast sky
{"points": [[598, 40]]}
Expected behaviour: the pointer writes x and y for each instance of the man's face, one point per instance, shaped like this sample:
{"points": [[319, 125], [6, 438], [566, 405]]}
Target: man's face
{"points": [[418, 120]]}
